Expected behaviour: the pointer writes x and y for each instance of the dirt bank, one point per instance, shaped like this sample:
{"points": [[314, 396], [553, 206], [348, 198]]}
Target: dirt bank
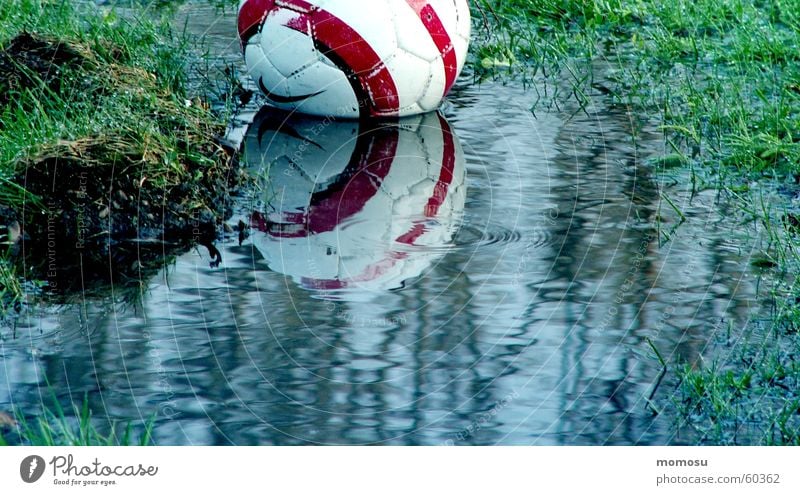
{"points": [[113, 205]]}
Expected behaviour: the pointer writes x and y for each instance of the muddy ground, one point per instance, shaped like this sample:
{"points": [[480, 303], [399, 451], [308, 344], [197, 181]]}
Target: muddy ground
{"points": [[92, 215]]}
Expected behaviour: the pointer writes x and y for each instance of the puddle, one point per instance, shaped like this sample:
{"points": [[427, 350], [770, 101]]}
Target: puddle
{"points": [[479, 276]]}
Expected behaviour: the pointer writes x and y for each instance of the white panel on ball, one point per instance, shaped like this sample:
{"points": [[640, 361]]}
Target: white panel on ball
{"points": [[388, 58], [288, 50]]}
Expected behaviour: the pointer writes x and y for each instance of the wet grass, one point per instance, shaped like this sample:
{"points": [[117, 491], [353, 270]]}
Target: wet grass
{"points": [[722, 74], [101, 146], [53, 427], [752, 395], [722, 78]]}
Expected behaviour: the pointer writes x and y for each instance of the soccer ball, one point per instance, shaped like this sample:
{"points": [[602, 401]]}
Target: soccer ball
{"points": [[349, 207], [355, 59]]}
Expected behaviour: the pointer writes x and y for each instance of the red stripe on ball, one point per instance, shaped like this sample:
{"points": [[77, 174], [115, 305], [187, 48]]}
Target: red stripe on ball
{"points": [[251, 15], [440, 38], [373, 75]]}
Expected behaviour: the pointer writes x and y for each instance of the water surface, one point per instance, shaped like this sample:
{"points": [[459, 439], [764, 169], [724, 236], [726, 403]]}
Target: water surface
{"points": [[486, 275]]}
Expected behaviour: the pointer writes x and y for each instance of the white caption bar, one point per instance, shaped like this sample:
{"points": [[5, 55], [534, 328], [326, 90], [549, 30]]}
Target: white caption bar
{"points": [[354, 471]]}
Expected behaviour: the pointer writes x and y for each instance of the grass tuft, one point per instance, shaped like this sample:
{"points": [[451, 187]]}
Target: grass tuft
{"points": [[102, 148], [55, 428]]}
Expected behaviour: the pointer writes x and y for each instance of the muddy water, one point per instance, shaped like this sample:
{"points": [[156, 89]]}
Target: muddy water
{"points": [[486, 275]]}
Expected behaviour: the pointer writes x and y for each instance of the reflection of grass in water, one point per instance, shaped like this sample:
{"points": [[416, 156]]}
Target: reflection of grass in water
{"points": [[723, 79], [54, 428], [170, 6]]}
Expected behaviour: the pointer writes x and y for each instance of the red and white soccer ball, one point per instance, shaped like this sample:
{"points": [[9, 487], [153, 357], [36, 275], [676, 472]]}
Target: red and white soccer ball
{"points": [[355, 58]]}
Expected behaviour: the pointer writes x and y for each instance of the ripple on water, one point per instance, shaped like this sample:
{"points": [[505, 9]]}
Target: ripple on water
{"points": [[46, 331], [474, 236]]}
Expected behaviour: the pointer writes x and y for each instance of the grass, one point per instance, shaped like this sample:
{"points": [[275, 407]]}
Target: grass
{"points": [[722, 74], [54, 428], [10, 286], [723, 78], [98, 105], [752, 395]]}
